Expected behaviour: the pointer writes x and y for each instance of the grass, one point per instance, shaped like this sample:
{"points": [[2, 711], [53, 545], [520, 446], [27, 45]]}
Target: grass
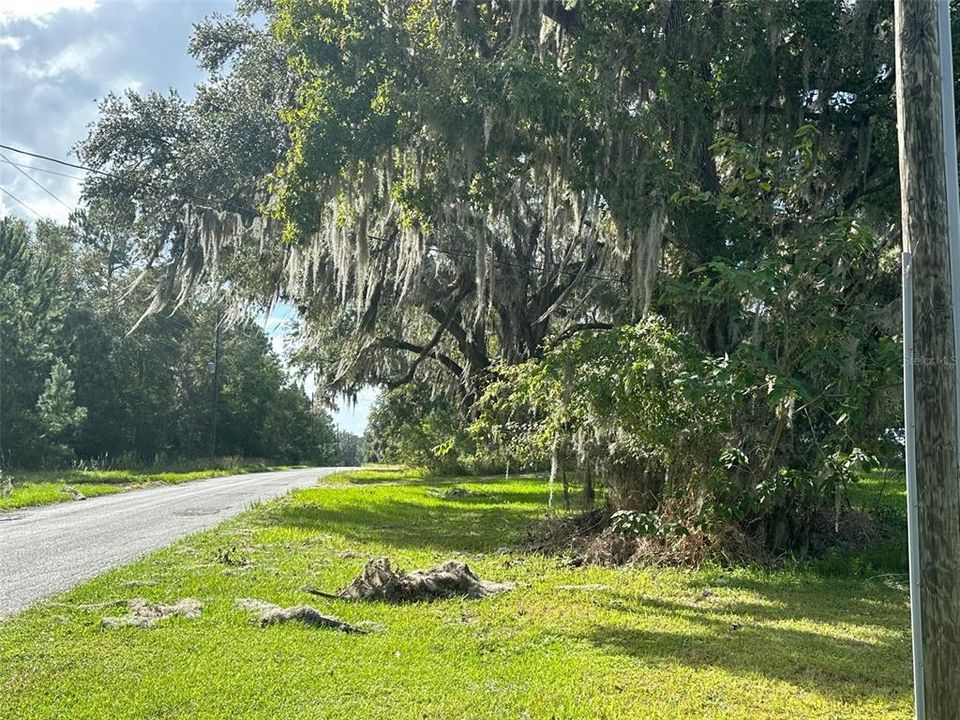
{"points": [[43, 487], [380, 474], [883, 494], [567, 643]]}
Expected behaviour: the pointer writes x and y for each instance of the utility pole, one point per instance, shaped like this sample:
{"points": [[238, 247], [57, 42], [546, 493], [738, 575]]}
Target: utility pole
{"points": [[215, 401], [930, 208]]}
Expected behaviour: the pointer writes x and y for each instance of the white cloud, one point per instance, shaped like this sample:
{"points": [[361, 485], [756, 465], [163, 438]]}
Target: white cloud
{"points": [[38, 11], [47, 207], [77, 57], [10, 41]]}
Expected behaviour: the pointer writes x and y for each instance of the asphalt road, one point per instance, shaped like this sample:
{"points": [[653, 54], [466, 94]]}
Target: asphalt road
{"points": [[49, 549]]}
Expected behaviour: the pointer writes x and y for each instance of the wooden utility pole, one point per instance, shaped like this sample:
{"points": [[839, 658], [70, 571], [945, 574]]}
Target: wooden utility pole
{"points": [[931, 257]]}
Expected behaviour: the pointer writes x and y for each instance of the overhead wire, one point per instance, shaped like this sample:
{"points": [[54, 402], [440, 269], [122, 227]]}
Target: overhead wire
{"points": [[48, 171], [35, 182], [206, 202], [18, 200], [54, 160]]}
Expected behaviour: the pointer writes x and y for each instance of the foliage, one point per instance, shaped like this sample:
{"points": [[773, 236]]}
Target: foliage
{"points": [[35, 406], [349, 449], [57, 409], [672, 432], [412, 426], [638, 405], [76, 383], [451, 193]]}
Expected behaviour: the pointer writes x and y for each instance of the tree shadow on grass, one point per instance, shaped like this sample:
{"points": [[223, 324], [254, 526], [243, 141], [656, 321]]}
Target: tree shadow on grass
{"points": [[784, 596], [446, 526], [754, 638]]}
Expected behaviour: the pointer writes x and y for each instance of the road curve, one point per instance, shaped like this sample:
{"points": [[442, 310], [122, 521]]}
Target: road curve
{"points": [[49, 549]]}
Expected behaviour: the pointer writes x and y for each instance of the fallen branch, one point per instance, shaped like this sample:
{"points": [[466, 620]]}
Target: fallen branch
{"points": [[379, 581], [321, 593], [308, 616]]}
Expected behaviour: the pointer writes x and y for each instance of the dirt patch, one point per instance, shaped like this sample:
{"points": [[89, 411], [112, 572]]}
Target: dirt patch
{"points": [[144, 614], [562, 535], [270, 614], [380, 581]]}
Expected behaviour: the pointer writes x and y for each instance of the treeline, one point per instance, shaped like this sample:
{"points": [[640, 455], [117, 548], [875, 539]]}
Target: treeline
{"points": [[77, 384]]}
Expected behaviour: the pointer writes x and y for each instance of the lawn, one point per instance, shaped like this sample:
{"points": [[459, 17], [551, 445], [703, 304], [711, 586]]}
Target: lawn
{"points": [[827, 640], [43, 487]]}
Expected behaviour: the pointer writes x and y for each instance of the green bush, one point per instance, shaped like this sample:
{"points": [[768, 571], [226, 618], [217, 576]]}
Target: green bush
{"points": [[681, 441]]}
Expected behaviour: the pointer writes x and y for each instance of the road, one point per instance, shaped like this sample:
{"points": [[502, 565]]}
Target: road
{"points": [[46, 550]]}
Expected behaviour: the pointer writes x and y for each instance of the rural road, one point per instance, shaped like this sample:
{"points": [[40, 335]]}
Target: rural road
{"points": [[49, 549]]}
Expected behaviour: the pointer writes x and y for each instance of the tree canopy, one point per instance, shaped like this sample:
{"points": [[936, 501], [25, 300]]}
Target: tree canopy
{"points": [[493, 203]]}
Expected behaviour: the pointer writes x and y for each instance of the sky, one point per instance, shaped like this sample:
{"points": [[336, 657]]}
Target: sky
{"points": [[58, 59]]}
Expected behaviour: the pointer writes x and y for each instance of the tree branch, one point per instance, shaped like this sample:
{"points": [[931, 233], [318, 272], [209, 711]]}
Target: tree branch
{"points": [[397, 344], [578, 328], [442, 327]]}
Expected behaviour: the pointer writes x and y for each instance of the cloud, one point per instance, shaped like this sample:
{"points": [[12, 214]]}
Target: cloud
{"points": [[77, 58], [58, 58], [38, 11]]}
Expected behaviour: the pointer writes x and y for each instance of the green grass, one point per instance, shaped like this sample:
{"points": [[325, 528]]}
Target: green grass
{"points": [[882, 494], [380, 474], [43, 487], [567, 643]]}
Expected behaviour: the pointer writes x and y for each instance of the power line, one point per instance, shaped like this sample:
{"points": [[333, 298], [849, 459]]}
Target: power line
{"points": [[36, 182], [54, 160], [206, 202], [7, 192], [44, 170]]}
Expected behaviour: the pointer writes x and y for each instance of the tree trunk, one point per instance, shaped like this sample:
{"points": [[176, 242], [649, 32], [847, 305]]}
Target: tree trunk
{"points": [[588, 493]]}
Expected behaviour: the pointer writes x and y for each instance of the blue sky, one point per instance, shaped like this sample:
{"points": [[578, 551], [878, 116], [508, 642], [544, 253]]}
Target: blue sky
{"points": [[58, 58], [348, 416]]}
